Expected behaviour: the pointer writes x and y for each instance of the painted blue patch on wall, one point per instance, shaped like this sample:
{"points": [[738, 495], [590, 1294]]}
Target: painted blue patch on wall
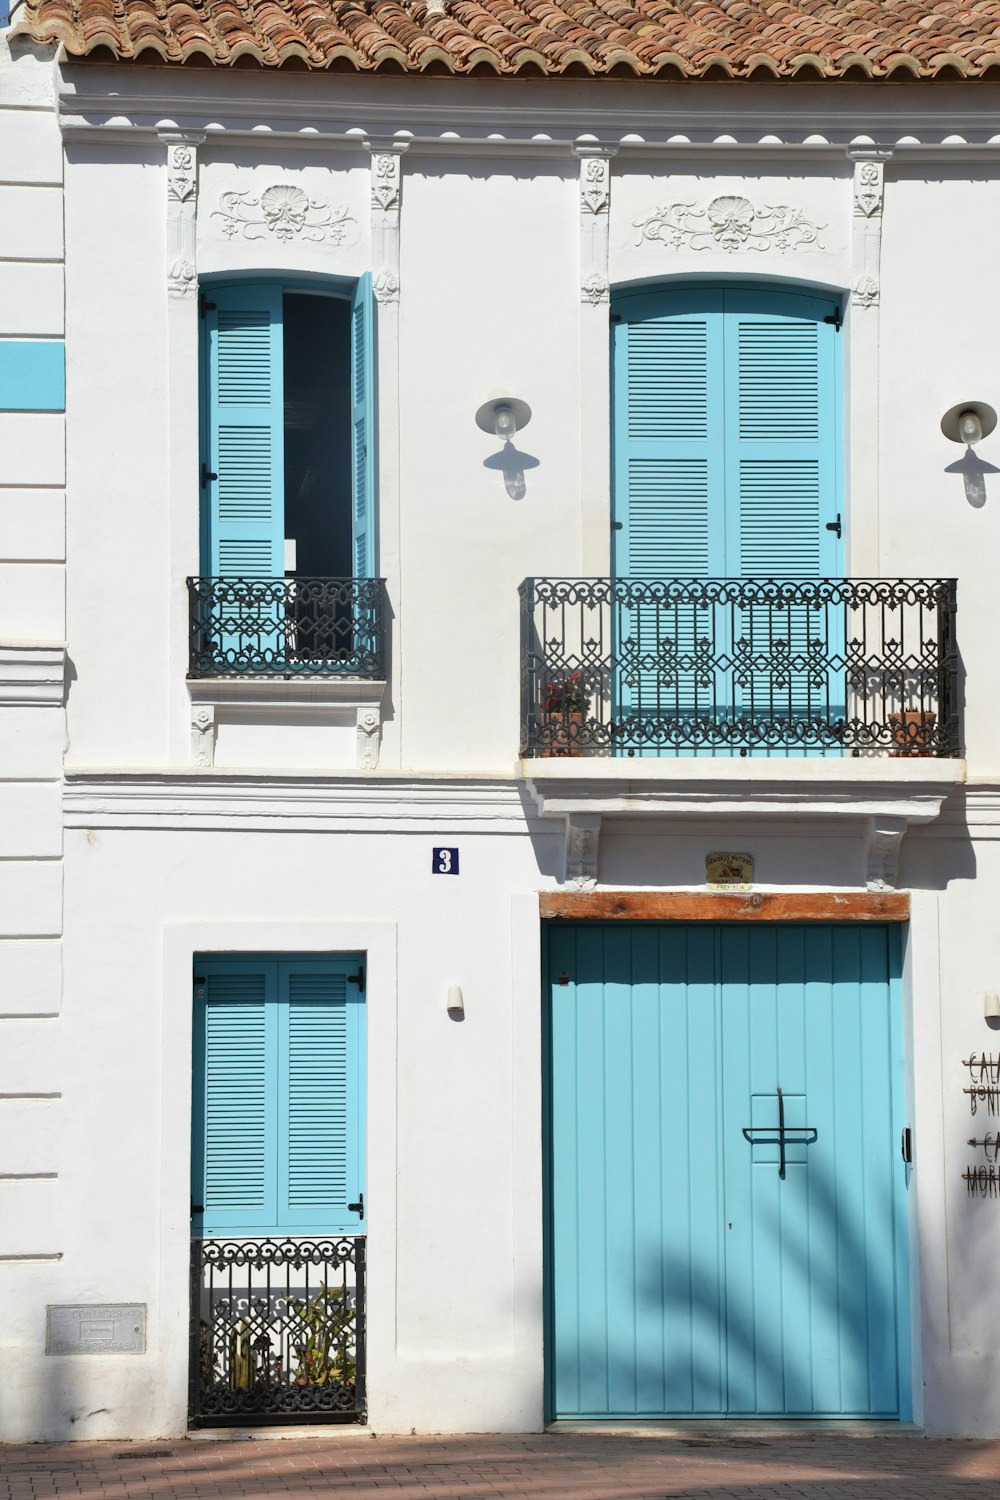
{"points": [[32, 375]]}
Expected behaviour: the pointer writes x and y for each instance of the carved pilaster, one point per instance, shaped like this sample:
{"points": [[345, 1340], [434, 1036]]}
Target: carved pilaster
{"points": [[595, 207], [182, 207], [203, 734], [386, 202], [583, 833], [885, 835], [869, 180], [368, 737]]}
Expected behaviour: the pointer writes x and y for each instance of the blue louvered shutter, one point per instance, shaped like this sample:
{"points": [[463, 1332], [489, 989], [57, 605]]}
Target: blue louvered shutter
{"points": [[669, 495], [235, 1100], [245, 432], [278, 1124], [363, 426], [782, 487], [245, 501], [320, 1112]]}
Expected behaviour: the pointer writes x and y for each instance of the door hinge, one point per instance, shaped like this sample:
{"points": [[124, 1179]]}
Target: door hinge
{"points": [[836, 526], [906, 1146], [206, 474], [836, 319], [358, 978], [616, 317], [359, 1207], [204, 305]]}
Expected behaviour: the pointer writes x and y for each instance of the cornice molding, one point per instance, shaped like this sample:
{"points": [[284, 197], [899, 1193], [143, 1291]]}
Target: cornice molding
{"points": [[373, 802], [545, 116], [32, 675]]}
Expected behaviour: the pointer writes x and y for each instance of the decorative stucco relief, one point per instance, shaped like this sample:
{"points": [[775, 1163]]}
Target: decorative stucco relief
{"points": [[385, 179], [180, 172], [285, 212], [868, 181], [182, 200], [385, 285], [594, 289], [595, 183], [865, 292], [730, 223]]}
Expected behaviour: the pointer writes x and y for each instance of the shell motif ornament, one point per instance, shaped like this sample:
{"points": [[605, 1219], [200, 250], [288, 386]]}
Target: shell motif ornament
{"points": [[284, 211], [730, 223]]}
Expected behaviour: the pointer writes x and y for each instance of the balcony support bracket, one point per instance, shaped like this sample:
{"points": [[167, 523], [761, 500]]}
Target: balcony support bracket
{"points": [[882, 843], [369, 736], [583, 834], [203, 734]]}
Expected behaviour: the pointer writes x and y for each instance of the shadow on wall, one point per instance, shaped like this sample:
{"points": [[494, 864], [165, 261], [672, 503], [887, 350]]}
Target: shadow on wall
{"points": [[973, 471], [943, 851]]}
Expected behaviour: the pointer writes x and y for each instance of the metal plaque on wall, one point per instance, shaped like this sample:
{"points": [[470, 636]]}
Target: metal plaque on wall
{"points": [[729, 872], [96, 1328]]}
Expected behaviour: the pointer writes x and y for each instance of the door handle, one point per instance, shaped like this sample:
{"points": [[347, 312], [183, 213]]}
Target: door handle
{"points": [[359, 1207]]}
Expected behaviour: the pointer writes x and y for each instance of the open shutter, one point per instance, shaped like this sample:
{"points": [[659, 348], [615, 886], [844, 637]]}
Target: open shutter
{"points": [[244, 473], [669, 497], [782, 489], [363, 426], [233, 1177], [319, 1166], [245, 433]]}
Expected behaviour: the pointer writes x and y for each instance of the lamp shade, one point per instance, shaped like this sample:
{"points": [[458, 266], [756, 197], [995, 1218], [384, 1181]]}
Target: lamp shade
{"points": [[952, 419], [486, 415]]}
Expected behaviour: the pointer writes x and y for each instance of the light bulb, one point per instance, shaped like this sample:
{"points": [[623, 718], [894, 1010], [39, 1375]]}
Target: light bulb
{"points": [[504, 424], [970, 429]]}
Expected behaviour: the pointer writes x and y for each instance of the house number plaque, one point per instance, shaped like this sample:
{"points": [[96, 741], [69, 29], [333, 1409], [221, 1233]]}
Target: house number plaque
{"points": [[729, 872], [96, 1328]]}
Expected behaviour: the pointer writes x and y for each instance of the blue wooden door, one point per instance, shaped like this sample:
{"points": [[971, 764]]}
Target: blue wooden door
{"points": [[278, 1096], [701, 1263], [726, 465]]}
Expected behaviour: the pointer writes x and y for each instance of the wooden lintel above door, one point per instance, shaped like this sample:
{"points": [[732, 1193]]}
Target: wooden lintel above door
{"points": [[710, 906]]}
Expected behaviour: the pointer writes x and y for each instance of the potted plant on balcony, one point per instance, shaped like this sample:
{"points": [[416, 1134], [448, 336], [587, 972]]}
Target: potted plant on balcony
{"points": [[565, 707], [912, 731]]}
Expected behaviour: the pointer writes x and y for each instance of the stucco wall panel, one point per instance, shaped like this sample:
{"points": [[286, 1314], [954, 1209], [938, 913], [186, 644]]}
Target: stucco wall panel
{"points": [[31, 223], [30, 898], [33, 300], [34, 448], [32, 602], [31, 742], [30, 148], [493, 313], [30, 977], [32, 525], [30, 819]]}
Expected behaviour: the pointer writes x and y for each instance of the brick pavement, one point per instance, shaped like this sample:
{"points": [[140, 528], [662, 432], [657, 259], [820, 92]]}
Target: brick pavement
{"points": [[548, 1466]]}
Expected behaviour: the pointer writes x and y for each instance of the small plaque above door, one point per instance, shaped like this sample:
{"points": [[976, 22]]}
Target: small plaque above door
{"points": [[729, 872]]}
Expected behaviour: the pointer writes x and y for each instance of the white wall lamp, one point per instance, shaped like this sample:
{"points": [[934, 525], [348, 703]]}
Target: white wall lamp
{"points": [[991, 1006], [505, 416], [456, 1002], [968, 422]]}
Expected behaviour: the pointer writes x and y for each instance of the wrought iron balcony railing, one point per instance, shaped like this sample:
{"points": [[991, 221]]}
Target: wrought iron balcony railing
{"points": [[738, 666], [277, 1331], [287, 627]]}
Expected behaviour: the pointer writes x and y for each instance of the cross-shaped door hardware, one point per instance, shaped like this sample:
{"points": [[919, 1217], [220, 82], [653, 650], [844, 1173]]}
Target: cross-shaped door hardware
{"points": [[766, 1133]]}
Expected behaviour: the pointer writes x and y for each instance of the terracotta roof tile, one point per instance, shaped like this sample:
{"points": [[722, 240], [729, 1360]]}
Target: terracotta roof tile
{"points": [[689, 38]]}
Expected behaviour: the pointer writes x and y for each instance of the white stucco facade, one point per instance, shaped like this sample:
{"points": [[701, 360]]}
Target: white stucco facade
{"points": [[131, 840]]}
